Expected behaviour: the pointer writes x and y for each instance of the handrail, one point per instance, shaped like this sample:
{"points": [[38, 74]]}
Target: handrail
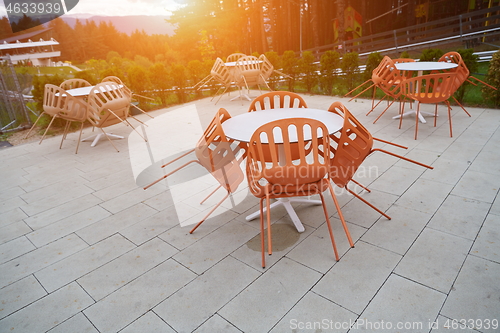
{"points": [[463, 27]]}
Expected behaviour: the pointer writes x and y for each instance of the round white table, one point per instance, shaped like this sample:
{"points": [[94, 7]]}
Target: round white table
{"points": [[242, 127], [420, 67]]}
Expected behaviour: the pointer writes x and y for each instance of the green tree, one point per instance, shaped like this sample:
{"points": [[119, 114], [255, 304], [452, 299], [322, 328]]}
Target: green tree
{"points": [[308, 69], [431, 55], [329, 63], [350, 68], [290, 62], [493, 79], [138, 79], [470, 60], [179, 76], [160, 80]]}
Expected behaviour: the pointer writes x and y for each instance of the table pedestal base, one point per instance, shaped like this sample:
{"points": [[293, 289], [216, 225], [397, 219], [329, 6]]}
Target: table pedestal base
{"points": [[420, 117], [98, 136], [287, 203]]}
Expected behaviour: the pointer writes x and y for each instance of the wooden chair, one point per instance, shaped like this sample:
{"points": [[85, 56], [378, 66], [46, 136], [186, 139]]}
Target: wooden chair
{"points": [[277, 100], [432, 89], [108, 105], [349, 148], [74, 83], [222, 75], [219, 155], [278, 178], [54, 102]]}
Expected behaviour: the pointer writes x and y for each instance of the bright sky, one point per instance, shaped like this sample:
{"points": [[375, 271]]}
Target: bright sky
{"points": [[120, 7]]}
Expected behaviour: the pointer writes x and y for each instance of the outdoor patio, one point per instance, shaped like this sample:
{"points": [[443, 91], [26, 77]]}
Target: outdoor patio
{"points": [[83, 248]]}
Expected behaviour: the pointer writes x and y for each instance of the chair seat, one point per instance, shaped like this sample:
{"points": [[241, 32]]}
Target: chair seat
{"points": [[302, 174]]}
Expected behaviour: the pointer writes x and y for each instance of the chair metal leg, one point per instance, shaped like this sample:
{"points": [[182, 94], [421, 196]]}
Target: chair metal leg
{"points": [[210, 212], [37, 119], [366, 202], [341, 216], [330, 231], [262, 247]]}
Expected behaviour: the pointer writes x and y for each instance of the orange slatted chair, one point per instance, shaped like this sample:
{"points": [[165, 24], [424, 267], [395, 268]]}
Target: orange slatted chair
{"points": [[108, 105], [389, 79], [278, 178], [462, 74], [222, 75], [128, 92], [219, 155], [55, 101], [350, 148], [249, 73], [74, 83], [431, 89], [235, 57], [75, 111], [277, 100]]}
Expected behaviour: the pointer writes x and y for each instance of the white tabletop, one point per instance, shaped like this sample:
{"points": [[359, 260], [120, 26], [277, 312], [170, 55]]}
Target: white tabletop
{"points": [[82, 91], [233, 63], [425, 66], [85, 91], [242, 127]]}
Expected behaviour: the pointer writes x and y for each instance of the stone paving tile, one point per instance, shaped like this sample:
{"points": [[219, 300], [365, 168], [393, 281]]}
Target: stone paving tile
{"points": [[192, 305], [15, 248], [12, 216], [217, 324], [122, 307], [73, 267], [487, 162], [109, 226], [150, 323], [125, 268], [48, 311], [460, 216], [67, 225], [435, 259], [462, 152], [10, 204], [279, 289], [209, 250], [316, 250], [19, 294], [76, 324], [52, 196], [475, 294], [425, 196], [62, 211], [358, 212], [477, 185], [14, 230], [446, 171], [129, 199], [400, 302], [314, 313], [396, 180], [487, 244], [399, 233], [151, 227], [346, 284], [38, 259], [495, 207]]}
